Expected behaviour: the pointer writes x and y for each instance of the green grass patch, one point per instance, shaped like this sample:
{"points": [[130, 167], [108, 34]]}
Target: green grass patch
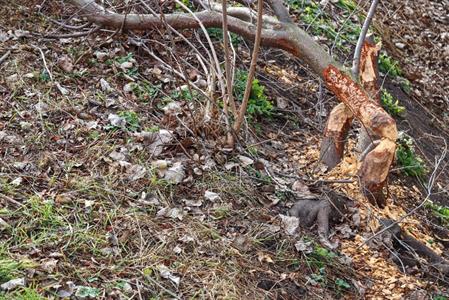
{"points": [[441, 212], [23, 294]]}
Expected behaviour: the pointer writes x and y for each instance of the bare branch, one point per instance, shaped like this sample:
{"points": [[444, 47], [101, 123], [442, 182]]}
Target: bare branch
{"points": [[228, 66], [280, 11], [5, 56], [361, 40], [283, 36], [252, 68]]}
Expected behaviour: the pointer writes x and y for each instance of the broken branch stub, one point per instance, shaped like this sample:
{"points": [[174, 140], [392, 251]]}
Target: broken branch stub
{"points": [[337, 127]]}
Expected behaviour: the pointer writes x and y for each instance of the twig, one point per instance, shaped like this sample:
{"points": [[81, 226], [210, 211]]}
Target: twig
{"points": [[252, 68], [45, 62], [10, 200], [71, 35], [162, 287], [358, 49], [228, 66], [5, 56]]}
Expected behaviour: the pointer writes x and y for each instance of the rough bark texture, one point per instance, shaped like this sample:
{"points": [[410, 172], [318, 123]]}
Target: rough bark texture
{"points": [[376, 164]]}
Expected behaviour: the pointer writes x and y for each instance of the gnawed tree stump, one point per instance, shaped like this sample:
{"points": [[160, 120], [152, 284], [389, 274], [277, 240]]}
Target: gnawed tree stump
{"points": [[364, 104], [337, 127], [408, 252]]}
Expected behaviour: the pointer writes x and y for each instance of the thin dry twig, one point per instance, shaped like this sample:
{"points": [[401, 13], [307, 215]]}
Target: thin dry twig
{"points": [[44, 60], [228, 67], [252, 68], [5, 56]]}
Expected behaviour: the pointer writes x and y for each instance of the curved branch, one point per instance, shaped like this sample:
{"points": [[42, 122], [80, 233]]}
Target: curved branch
{"points": [[287, 37]]}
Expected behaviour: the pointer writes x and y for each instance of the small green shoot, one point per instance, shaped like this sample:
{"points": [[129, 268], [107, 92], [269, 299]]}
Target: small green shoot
{"points": [[349, 5], [391, 104], [388, 65], [442, 212], [342, 284], [411, 164], [44, 76], [132, 120], [145, 91]]}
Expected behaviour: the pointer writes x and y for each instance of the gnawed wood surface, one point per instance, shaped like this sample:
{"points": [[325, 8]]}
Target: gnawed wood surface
{"points": [[338, 124], [376, 164]]}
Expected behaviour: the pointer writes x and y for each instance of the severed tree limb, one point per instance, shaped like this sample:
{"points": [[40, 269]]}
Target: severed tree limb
{"points": [[412, 249], [287, 37], [280, 11]]}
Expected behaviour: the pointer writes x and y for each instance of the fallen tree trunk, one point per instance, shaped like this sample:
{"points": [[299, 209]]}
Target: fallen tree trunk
{"points": [[282, 34]]}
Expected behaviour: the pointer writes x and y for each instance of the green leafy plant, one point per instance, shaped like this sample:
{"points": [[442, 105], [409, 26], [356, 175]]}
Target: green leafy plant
{"points": [[145, 91], [442, 212], [217, 34], [44, 76], [391, 104], [406, 86], [185, 94], [131, 118], [320, 257], [342, 284], [411, 164], [388, 65], [258, 103], [87, 291]]}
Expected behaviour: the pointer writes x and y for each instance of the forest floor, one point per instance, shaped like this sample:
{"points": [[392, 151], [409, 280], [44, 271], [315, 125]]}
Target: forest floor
{"points": [[112, 186]]}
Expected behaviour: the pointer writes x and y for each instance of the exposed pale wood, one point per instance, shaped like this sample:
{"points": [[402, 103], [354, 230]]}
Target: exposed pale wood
{"points": [[333, 144], [374, 171]]}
